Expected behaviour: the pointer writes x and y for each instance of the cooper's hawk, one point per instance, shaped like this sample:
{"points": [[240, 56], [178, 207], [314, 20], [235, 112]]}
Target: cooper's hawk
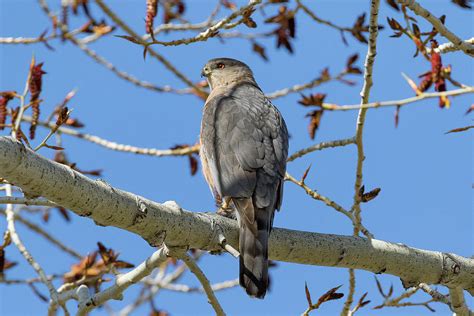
{"points": [[244, 147]]}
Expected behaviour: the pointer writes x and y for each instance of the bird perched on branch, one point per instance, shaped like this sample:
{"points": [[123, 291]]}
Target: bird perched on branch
{"points": [[244, 147]]}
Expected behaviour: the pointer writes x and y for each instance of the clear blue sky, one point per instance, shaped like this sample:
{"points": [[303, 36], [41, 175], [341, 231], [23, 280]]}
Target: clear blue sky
{"points": [[425, 175]]}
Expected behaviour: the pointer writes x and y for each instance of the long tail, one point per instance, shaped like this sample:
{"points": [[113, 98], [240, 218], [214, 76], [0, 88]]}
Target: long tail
{"points": [[253, 246]]}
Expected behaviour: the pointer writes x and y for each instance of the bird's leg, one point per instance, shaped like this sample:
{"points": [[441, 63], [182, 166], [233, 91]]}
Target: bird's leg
{"points": [[226, 208]]}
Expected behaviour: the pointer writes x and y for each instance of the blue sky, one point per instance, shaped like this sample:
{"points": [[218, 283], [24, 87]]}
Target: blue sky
{"points": [[426, 176]]}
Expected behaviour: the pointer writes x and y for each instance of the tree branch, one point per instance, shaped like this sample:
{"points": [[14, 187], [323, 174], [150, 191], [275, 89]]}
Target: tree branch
{"points": [[157, 223], [439, 26], [194, 268]]}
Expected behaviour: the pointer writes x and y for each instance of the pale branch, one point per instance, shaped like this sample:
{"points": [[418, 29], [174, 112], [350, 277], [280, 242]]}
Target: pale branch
{"points": [[88, 303], [185, 151], [401, 102], [10, 215], [439, 26], [365, 93], [154, 289], [40, 231], [397, 301], [25, 201], [158, 223], [188, 289], [449, 47], [458, 304], [214, 29], [320, 146], [437, 296], [350, 297], [194, 268], [25, 40], [300, 87]]}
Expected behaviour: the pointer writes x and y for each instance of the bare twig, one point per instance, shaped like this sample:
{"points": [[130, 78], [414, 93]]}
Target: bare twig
{"points": [[150, 51], [320, 146], [401, 102], [350, 297], [194, 268], [25, 201], [213, 30], [26, 254], [439, 26], [185, 151], [449, 47], [365, 93], [300, 87], [40, 231], [315, 195]]}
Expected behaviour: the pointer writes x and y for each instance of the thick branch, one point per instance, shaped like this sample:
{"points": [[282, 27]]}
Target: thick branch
{"points": [[168, 222]]}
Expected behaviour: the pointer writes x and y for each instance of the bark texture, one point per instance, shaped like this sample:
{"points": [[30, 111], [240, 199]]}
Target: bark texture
{"points": [[169, 223]]}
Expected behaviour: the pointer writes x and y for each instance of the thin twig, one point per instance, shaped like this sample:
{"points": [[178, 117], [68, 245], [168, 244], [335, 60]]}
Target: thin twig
{"points": [[185, 151], [401, 102], [26, 254], [212, 30], [365, 93], [300, 87], [439, 26], [194, 268], [150, 51], [350, 297], [40, 231], [320, 146]]}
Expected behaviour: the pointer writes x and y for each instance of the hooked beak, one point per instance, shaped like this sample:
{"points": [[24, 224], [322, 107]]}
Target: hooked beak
{"points": [[205, 72]]}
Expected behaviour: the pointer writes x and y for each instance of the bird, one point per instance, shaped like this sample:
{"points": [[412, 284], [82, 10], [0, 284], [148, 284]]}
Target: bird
{"points": [[244, 148]]}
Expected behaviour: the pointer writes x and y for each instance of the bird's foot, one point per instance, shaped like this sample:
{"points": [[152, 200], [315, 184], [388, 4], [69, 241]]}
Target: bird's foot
{"points": [[228, 212]]}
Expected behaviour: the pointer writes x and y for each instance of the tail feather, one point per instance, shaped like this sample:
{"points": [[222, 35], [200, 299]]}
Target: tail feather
{"points": [[253, 246]]}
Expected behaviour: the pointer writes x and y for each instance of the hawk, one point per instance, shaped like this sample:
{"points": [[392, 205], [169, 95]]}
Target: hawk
{"points": [[244, 147]]}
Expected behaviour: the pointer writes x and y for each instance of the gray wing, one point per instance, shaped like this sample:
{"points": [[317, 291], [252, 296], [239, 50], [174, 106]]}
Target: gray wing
{"points": [[246, 143]]}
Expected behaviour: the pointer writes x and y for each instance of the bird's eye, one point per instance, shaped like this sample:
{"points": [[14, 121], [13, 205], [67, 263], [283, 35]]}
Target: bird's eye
{"points": [[220, 66]]}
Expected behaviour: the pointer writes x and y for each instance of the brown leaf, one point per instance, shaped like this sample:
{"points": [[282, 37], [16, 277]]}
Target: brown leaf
{"points": [[312, 99], [394, 25], [350, 65], [366, 197], [305, 174], [460, 129], [64, 213], [74, 122], [462, 3], [53, 147], [379, 287], [471, 108], [393, 4], [397, 116], [260, 50], [308, 295], [193, 164], [330, 295], [314, 122]]}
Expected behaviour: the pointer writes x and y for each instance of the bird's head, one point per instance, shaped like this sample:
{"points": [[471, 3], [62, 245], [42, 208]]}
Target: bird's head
{"points": [[224, 71]]}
